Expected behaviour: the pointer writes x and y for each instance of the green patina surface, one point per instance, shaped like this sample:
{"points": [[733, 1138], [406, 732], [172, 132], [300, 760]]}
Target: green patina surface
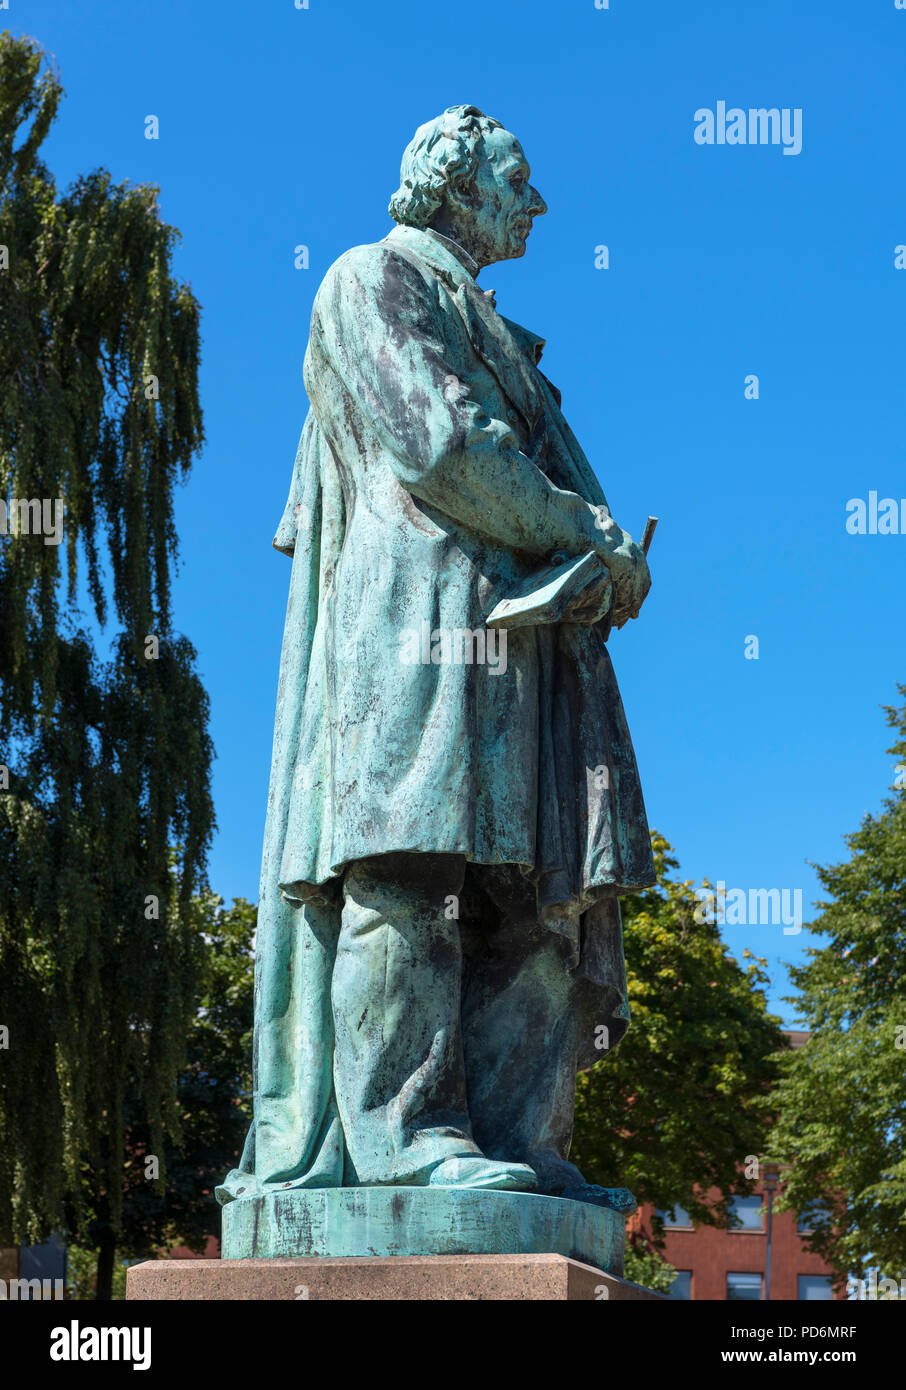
{"points": [[421, 1221], [439, 941]]}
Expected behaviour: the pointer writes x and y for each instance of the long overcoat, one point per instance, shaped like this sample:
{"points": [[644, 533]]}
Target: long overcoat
{"points": [[435, 475]]}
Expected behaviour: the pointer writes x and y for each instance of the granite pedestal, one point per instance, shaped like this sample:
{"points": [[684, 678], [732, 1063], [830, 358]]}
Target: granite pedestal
{"points": [[467, 1278]]}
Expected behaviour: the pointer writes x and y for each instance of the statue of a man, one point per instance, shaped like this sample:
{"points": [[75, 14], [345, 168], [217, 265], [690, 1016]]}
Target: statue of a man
{"points": [[454, 809]]}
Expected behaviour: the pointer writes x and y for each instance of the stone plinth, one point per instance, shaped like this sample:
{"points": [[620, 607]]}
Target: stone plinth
{"points": [[417, 1277], [350, 1222]]}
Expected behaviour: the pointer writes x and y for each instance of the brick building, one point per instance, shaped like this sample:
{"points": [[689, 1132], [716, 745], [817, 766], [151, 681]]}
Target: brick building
{"points": [[716, 1263], [729, 1263]]}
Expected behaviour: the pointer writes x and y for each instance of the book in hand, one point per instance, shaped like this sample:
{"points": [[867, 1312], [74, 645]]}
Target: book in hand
{"points": [[573, 589]]}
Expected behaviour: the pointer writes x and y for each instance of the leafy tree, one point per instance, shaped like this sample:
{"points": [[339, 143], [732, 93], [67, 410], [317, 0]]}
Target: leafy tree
{"points": [[842, 1097], [81, 1275], [677, 1109], [213, 1098], [104, 763], [646, 1266]]}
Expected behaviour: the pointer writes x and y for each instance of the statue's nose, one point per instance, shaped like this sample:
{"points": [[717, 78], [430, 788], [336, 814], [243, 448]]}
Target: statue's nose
{"points": [[538, 205]]}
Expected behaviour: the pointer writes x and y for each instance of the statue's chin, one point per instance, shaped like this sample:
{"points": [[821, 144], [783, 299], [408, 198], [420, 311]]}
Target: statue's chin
{"points": [[512, 251], [515, 249]]}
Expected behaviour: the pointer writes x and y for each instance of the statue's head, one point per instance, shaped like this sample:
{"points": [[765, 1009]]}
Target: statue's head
{"points": [[466, 177]]}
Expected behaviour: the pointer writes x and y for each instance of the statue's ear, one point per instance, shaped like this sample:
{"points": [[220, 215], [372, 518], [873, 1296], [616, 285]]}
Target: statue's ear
{"points": [[461, 194]]}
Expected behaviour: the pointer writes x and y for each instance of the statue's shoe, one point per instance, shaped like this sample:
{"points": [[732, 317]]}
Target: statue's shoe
{"points": [[555, 1174], [483, 1173]]}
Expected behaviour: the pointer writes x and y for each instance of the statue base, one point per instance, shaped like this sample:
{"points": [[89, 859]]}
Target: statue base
{"points": [[352, 1222], [416, 1277]]}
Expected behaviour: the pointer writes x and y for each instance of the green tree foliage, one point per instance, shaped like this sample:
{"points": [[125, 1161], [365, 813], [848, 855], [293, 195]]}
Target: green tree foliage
{"points": [[644, 1265], [104, 763], [676, 1109], [81, 1275], [842, 1097], [213, 1098]]}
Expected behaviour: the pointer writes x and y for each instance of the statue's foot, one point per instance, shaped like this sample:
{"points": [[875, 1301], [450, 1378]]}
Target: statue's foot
{"points": [[557, 1177], [555, 1174], [483, 1173]]}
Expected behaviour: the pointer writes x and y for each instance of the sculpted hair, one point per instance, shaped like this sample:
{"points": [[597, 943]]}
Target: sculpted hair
{"points": [[443, 153]]}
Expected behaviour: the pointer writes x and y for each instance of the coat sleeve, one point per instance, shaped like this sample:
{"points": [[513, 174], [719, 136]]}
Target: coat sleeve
{"points": [[380, 326]]}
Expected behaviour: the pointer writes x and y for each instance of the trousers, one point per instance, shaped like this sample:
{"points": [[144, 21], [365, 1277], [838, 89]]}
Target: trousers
{"points": [[456, 1021]]}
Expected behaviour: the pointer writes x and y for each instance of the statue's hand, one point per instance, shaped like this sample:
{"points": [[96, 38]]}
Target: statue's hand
{"points": [[628, 566], [630, 592]]}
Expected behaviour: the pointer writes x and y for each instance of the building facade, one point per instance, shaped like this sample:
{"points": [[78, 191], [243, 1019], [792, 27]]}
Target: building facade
{"points": [[731, 1262]]}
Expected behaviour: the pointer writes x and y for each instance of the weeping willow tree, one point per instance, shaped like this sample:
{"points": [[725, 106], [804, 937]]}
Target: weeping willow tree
{"points": [[105, 806]]}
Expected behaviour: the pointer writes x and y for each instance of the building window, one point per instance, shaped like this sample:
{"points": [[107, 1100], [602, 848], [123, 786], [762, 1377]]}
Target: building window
{"points": [[682, 1284], [744, 1287], [745, 1214], [814, 1216], [677, 1218], [47, 1261], [814, 1286]]}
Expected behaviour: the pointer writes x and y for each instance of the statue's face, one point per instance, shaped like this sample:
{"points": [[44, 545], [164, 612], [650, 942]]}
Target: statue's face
{"points": [[503, 201]]}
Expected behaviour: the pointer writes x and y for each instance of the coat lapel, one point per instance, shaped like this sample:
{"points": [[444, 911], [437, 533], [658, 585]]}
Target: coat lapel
{"points": [[508, 350], [499, 347], [511, 353]]}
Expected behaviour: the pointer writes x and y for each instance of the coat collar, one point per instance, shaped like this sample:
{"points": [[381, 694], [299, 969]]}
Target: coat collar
{"points": [[442, 254], [503, 344]]}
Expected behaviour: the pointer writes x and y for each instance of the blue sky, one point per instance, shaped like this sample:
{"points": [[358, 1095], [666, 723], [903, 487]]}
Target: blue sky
{"points": [[281, 127]]}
